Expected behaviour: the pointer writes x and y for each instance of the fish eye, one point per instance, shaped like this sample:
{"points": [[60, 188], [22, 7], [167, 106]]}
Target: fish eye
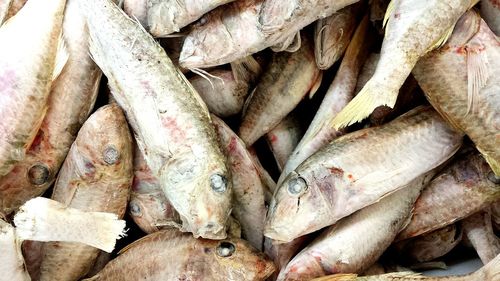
{"points": [[225, 249], [110, 155], [297, 186], [135, 209], [218, 183], [493, 178], [39, 174]]}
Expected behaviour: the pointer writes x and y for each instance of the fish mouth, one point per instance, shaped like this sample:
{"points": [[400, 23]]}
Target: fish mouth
{"points": [[210, 230]]}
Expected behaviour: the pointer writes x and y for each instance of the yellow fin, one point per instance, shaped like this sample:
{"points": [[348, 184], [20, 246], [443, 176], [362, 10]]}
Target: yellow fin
{"points": [[442, 40], [362, 105], [388, 13], [316, 85], [477, 74], [62, 57]]}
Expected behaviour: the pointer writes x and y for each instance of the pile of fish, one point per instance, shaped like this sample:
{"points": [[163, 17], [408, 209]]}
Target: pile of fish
{"points": [[248, 139]]}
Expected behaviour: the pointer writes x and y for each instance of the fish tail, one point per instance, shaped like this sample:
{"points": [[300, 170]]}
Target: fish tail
{"points": [[491, 271], [372, 95]]}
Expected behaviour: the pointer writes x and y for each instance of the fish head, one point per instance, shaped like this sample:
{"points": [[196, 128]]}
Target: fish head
{"points": [[238, 259], [104, 146], [200, 189], [305, 266], [300, 205]]}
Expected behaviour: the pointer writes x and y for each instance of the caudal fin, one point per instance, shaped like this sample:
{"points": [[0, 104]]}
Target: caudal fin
{"points": [[372, 95]]}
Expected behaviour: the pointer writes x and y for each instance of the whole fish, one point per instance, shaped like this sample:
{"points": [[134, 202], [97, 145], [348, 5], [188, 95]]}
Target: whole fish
{"points": [[11, 261], [224, 91], [137, 9], [480, 233], [357, 170], [15, 6], [333, 34], [4, 10], [288, 78], [168, 16], [242, 28], [28, 64], [460, 81], [338, 95], [248, 189], [148, 206], [490, 11], [414, 27], [171, 123], [96, 176], [345, 247], [490, 272], [71, 99], [283, 139], [187, 258], [432, 245], [460, 190]]}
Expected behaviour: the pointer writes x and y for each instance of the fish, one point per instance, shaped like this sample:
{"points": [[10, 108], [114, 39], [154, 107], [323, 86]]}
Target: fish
{"points": [[283, 138], [340, 92], [490, 12], [137, 9], [168, 16], [460, 190], [102, 259], [4, 10], [28, 64], [148, 206], [345, 247], [95, 177], [488, 272], [265, 177], [357, 170], [248, 189], [187, 258], [402, 47], [479, 231], [333, 34], [242, 28], [11, 261], [171, 123], [469, 96], [432, 245], [71, 99], [288, 78], [225, 91]]}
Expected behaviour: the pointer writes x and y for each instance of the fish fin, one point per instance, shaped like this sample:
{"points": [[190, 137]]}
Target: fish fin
{"points": [[37, 127], [388, 13], [338, 277], [247, 102], [362, 105], [316, 84], [194, 92], [290, 44], [494, 164], [442, 40], [490, 271], [477, 74], [62, 57], [246, 69]]}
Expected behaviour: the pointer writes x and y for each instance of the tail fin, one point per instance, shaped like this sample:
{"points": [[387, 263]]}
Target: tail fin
{"points": [[362, 105]]}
